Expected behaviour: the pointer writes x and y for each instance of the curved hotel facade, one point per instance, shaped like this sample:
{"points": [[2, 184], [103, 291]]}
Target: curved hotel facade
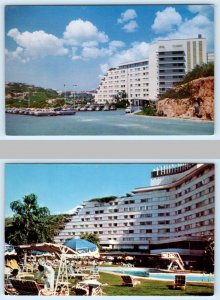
{"points": [[174, 213], [143, 80]]}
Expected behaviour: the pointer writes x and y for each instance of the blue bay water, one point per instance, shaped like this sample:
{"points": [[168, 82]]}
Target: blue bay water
{"points": [[99, 123]]}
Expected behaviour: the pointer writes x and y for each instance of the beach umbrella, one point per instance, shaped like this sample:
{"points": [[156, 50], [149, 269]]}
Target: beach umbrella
{"points": [[9, 250], [91, 282], [83, 247]]}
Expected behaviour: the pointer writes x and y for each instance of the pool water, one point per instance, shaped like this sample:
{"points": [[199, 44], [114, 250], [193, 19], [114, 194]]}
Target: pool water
{"points": [[156, 274]]}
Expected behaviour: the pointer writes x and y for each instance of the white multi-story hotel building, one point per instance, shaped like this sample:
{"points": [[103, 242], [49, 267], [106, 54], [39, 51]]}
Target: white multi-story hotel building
{"points": [[175, 212], [168, 62], [130, 77]]}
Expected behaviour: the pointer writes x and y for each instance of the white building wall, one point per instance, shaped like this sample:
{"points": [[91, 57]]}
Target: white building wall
{"points": [[131, 77], [172, 59]]}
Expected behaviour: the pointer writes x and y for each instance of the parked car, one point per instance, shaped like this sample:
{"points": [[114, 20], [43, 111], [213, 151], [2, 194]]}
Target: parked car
{"points": [[129, 109]]}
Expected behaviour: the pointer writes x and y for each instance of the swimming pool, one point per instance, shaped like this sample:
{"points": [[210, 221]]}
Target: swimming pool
{"points": [[157, 274]]}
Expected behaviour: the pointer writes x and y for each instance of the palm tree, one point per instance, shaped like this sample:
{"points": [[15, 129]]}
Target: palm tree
{"points": [[30, 222]]}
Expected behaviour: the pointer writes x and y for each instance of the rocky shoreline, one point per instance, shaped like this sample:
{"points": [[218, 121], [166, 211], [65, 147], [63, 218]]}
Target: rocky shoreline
{"points": [[199, 106]]}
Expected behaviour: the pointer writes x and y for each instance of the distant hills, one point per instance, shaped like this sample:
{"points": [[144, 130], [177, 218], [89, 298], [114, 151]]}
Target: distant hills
{"points": [[24, 95]]}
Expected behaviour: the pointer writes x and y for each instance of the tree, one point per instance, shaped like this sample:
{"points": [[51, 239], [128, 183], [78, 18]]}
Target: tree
{"points": [[30, 222], [91, 237], [121, 99], [209, 255]]}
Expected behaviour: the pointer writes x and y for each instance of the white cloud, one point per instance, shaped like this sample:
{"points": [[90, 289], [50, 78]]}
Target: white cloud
{"points": [[166, 20], [116, 44], [78, 32], [139, 50], [94, 52], [85, 53], [104, 68], [36, 44], [127, 15], [127, 19], [17, 54], [74, 55], [205, 10], [199, 24], [131, 26]]}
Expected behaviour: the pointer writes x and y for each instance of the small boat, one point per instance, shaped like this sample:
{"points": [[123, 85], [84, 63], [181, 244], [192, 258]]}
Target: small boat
{"points": [[112, 107]]}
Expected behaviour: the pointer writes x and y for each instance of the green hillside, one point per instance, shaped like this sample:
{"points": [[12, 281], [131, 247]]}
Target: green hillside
{"points": [[24, 95]]}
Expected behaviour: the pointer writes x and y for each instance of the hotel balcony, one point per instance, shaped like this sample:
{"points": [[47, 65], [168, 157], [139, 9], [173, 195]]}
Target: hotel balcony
{"points": [[168, 54], [171, 66], [168, 61]]}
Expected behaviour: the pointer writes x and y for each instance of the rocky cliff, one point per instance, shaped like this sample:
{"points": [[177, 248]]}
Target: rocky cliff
{"points": [[197, 103]]}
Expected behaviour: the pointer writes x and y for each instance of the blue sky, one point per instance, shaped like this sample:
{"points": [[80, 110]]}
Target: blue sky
{"points": [[61, 187], [51, 46]]}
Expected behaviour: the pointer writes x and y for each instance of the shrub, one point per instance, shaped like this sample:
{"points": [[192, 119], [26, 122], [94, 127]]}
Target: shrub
{"points": [[203, 70], [183, 92]]}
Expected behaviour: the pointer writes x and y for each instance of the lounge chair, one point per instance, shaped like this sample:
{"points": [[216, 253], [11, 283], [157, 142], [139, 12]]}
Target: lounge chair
{"points": [[9, 290], [94, 275], [129, 280], [179, 282], [32, 288], [26, 287]]}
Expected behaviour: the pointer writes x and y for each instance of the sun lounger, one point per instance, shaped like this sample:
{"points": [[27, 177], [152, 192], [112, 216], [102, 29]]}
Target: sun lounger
{"points": [[129, 280], [32, 288], [180, 282], [26, 287], [10, 290]]}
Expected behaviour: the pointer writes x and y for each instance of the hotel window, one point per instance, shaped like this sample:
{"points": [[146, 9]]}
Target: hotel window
{"points": [[146, 223], [145, 215], [211, 200], [163, 230], [163, 222], [211, 189], [188, 208], [144, 200], [163, 214]]}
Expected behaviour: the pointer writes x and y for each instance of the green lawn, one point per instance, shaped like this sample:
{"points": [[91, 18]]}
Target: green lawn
{"points": [[152, 288], [146, 288]]}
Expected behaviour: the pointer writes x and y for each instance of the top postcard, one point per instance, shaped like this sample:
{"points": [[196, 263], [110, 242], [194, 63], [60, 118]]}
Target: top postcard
{"points": [[109, 70]]}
